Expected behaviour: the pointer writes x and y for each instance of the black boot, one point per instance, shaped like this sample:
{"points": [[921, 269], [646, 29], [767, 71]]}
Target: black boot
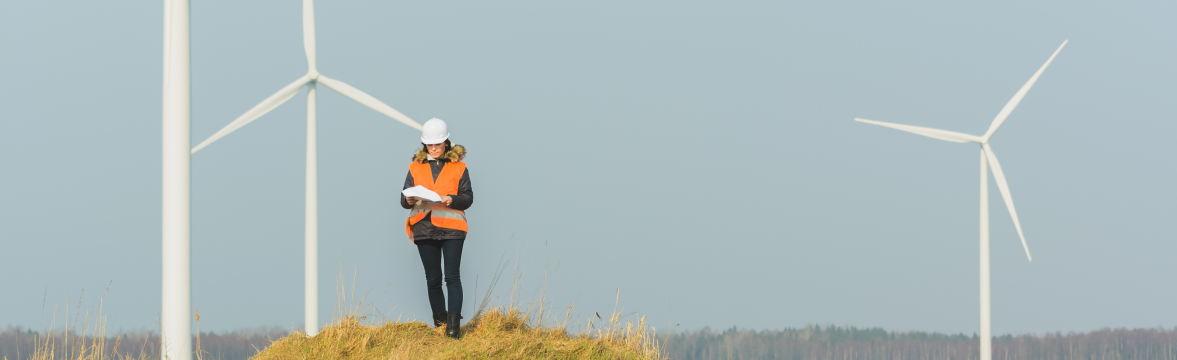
{"points": [[438, 319], [452, 324]]}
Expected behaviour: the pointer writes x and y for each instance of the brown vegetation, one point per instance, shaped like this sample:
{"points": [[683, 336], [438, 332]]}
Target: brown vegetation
{"points": [[497, 334], [494, 332]]}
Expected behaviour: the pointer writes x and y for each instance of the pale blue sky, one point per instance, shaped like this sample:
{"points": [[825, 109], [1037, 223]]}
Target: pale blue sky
{"points": [[598, 133]]}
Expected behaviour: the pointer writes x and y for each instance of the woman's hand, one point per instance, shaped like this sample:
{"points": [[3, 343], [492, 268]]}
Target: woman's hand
{"points": [[412, 200], [447, 200]]}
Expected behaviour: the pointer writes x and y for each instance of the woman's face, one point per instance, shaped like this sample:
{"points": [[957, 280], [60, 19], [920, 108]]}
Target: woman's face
{"points": [[435, 150]]}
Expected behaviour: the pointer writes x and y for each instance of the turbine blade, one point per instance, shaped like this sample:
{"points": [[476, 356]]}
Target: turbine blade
{"points": [[929, 132], [1009, 201], [1013, 103], [369, 101], [308, 32], [257, 111]]}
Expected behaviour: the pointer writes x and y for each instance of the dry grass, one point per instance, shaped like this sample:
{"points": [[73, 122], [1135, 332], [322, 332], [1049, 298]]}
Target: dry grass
{"points": [[494, 332], [83, 339]]}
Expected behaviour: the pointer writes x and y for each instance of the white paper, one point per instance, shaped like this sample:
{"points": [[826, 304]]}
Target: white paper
{"points": [[421, 192]]}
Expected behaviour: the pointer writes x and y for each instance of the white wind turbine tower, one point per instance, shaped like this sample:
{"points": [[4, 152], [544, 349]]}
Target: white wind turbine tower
{"points": [[988, 159], [175, 322], [309, 80]]}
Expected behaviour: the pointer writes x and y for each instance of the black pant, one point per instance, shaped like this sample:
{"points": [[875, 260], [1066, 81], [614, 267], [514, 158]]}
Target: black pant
{"points": [[431, 253]]}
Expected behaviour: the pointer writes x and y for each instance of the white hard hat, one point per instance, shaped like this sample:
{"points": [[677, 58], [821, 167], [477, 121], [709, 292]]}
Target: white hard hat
{"points": [[434, 131]]}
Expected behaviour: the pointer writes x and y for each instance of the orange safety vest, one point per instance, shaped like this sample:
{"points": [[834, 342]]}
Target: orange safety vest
{"points": [[446, 184]]}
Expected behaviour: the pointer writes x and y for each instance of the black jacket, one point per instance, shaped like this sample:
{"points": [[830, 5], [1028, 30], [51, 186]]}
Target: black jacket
{"points": [[424, 229]]}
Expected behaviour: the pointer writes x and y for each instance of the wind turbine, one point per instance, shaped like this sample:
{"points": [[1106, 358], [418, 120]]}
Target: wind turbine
{"points": [[988, 159], [309, 80]]}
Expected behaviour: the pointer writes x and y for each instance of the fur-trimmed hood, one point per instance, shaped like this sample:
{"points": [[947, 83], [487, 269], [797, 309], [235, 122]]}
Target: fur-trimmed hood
{"points": [[456, 153]]}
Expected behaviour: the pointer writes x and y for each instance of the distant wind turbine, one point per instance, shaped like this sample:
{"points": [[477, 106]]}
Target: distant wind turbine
{"points": [[987, 159], [309, 80]]}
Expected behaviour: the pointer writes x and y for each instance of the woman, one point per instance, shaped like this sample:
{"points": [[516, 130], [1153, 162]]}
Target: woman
{"points": [[439, 228]]}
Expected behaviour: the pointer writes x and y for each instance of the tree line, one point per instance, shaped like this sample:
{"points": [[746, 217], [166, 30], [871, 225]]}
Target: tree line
{"points": [[808, 343], [834, 342]]}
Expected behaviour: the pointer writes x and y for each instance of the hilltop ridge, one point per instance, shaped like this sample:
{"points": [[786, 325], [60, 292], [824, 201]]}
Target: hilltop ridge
{"points": [[496, 334]]}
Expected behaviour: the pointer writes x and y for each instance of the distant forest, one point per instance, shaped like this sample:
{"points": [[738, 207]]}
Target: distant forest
{"points": [[812, 342], [816, 342]]}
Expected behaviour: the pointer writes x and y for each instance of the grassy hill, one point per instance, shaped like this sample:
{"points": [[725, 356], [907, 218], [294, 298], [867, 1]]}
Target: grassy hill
{"points": [[496, 334]]}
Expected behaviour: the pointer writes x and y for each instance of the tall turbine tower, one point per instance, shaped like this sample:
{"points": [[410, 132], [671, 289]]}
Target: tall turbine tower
{"points": [[309, 80], [175, 323], [988, 159]]}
